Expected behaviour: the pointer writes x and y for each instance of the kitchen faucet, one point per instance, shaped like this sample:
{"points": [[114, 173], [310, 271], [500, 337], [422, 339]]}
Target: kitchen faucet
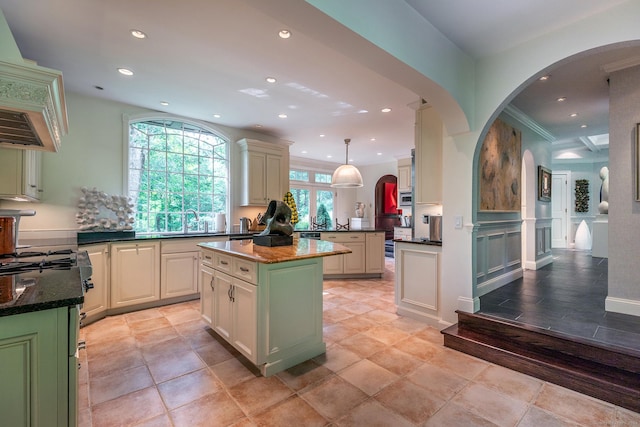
{"points": [[186, 223]]}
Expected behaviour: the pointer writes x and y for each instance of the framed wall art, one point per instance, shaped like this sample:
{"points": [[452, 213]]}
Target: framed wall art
{"points": [[500, 167], [544, 184]]}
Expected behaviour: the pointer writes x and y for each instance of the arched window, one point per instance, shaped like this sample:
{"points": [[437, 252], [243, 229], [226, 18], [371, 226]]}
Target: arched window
{"points": [[175, 169]]}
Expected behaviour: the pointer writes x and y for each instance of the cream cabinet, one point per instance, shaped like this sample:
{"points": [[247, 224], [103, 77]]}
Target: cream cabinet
{"points": [[404, 177], [417, 281], [429, 134], [365, 260], [374, 253], [96, 300], [271, 313], [265, 172], [135, 273], [207, 288], [20, 174]]}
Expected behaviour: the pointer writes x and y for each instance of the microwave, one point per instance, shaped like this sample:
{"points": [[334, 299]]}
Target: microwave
{"points": [[405, 198]]}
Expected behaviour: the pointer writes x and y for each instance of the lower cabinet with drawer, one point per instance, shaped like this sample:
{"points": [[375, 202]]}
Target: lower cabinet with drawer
{"points": [[365, 260], [269, 312]]}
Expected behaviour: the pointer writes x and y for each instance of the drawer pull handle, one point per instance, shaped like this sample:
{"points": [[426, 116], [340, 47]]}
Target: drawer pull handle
{"points": [[224, 263], [207, 257], [211, 284], [244, 269]]}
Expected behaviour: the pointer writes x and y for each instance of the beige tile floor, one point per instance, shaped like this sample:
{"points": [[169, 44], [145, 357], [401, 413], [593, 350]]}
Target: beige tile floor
{"points": [[164, 367]]}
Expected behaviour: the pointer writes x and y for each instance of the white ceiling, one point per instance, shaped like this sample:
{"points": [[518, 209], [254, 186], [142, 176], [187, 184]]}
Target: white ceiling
{"points": [[209, 57]]}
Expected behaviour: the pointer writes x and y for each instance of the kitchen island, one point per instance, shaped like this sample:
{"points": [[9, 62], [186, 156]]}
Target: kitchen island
{"points": [[266, 301]]}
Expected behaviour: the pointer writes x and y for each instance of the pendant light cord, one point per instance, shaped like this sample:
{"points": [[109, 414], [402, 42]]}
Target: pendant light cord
{"points": [[346, 160]]}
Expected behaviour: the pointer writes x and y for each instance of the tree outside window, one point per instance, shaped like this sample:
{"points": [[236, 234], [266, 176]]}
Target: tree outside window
{"points": [[175, 167]]}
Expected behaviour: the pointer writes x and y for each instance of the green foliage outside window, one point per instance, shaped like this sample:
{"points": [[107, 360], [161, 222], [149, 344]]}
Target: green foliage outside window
{"points": [[323, 217], [175, 167]]}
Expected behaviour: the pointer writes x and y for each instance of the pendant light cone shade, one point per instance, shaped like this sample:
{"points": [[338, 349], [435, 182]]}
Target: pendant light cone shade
{"points": [[346, 176]]}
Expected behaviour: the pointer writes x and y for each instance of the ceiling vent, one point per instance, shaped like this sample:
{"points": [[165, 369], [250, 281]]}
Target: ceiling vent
{"points": [[33, 113]]}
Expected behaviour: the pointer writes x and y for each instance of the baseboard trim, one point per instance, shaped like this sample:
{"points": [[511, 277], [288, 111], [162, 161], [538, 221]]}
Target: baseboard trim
{"points": [[624, 306], [498, 282], [539, 263]]}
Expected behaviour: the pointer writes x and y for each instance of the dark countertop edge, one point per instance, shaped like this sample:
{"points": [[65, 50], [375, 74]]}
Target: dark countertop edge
{"points": [[419, 242], [48, 305], [231, 236], [53, 289]]}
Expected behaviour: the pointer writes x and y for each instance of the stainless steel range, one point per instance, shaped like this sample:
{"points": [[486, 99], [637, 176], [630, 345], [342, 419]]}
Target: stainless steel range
{"points": [[20, 270]]}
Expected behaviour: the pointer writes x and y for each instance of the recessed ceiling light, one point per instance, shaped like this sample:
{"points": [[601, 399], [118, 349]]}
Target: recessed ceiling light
{"points": [[544, 78], [257, 126], [217, 116], [284, 34], [304, 151], [574, 114], [282, 116], [165, 103], [271, 79], [379, 154], [562, 99], [363, 111], [386, 110], [329, 156], [583, 126], [373, 139], [138, 34], [322, 135], [125, 71]]}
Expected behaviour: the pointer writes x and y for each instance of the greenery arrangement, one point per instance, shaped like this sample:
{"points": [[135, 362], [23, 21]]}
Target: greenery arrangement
{"points": [[290, 201], [582, 195]]}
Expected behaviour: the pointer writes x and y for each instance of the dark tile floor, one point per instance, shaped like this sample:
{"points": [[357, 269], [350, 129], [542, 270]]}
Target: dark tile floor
{"points": [[566, 296]]}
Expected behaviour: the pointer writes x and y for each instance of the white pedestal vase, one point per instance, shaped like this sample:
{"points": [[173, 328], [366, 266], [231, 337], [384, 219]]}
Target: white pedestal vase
{"points": [[583, 237]]}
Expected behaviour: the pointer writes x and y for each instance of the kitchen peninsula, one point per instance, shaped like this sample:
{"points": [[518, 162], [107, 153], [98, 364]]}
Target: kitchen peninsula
{"points": [[266, 301]]}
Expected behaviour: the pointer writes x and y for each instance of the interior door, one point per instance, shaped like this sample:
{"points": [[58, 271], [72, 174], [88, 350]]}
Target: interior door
{"points": [[559, 210]]}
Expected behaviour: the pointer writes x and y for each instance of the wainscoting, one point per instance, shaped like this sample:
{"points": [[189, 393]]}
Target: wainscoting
{"points": [[498, 254]]}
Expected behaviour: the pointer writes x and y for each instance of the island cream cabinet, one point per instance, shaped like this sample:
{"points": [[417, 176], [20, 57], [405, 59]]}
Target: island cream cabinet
{"points": [[269, 310], [265, 172]]}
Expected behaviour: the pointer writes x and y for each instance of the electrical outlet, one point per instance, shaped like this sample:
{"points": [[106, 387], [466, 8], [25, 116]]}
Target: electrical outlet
{"points": [[425, 219], [458, 221]]}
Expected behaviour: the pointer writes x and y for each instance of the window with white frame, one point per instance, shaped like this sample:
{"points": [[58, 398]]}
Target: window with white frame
{"points": [[176, 169], [314, 198]]}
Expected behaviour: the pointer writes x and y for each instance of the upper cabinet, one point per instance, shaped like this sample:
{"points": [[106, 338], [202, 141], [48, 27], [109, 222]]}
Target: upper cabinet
{"points": [[20, 174], [428, 157], [265, 172], [404, 175]]}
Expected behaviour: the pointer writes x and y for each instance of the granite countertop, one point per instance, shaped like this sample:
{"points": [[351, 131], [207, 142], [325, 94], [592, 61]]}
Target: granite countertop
{"points": [[52, 289], [86, 238], [419, 242], [301, 249]]}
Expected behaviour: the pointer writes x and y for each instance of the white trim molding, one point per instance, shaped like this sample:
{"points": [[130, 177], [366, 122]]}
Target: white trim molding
{"points": [[621, 305]]}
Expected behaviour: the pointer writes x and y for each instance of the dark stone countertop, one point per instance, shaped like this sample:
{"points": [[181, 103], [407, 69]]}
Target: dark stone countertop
{"points": [[52, 289], [419, 242], [87, 238]]}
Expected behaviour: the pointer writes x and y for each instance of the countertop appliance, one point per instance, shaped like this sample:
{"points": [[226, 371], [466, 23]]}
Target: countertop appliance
{"points": [[435, 227]]}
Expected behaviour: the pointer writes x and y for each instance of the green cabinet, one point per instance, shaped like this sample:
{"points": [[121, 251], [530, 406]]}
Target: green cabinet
{"points": [[38, 368]]}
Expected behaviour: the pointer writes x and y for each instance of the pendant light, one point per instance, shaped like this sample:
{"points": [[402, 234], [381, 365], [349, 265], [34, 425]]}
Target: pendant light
{"points": [[346, 176]]}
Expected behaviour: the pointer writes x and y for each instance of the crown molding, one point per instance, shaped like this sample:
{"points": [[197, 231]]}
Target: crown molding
{"points": [[528, 122]]}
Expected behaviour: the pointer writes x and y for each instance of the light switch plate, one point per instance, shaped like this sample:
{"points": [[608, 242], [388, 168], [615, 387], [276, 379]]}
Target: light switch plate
{"points": [[458, 221]]}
